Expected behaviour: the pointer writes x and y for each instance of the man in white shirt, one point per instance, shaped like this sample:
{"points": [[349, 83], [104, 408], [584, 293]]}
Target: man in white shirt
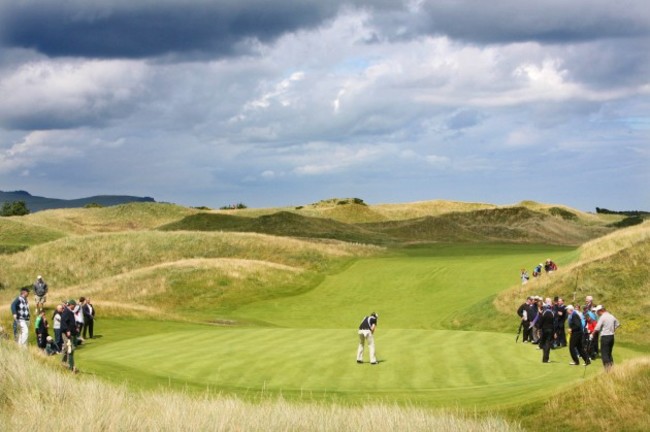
{"points": [[606, 327]]}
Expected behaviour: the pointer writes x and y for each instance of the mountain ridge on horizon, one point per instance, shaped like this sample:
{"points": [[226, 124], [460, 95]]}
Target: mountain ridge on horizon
{"points": [[38, 203]]}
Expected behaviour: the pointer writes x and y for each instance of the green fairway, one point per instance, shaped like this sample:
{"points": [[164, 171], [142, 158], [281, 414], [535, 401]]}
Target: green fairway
{"points": [[420, 288], [304, 345]]}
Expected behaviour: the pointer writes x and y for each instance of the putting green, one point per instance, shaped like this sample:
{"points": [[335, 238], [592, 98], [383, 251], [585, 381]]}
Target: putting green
{"points": [[436, 367], [304, 346]]}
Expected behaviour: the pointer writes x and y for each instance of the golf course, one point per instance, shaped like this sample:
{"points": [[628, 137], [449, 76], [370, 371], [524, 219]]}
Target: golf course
{"points": [[189, 302]]}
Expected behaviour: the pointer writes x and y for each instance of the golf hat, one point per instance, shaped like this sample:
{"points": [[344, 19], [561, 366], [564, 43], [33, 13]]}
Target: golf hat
{"points": [[72, 302], [39, 277], [597, 308]]}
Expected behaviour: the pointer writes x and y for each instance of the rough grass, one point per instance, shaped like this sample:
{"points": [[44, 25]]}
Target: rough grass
{"points": [[17, 233], [35, 397], [619, 400], [613, 269], [197, 289], [124, 217], [511, 224], [280, 224], [84, 259]]}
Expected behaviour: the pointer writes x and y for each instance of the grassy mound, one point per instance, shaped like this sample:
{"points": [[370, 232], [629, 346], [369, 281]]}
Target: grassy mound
{"points": [[511, 224], [280, 224], [619, 400], [16, 234], [84, 259], [125, 217]]}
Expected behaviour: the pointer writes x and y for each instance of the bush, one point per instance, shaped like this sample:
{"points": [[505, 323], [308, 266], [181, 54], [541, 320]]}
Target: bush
{"points": [[93, 205], [564, 214], [628, 221], [14, 208], [237, 206]]}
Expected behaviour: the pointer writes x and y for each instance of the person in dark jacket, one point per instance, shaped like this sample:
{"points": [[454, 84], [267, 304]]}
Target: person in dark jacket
{"points": [[546, 325], [69, 335], [576, 339], [523, 312], [89, 318], [559, 311]]}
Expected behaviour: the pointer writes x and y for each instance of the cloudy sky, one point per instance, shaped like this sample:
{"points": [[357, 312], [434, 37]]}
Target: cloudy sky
{"points": [[287, 102]]}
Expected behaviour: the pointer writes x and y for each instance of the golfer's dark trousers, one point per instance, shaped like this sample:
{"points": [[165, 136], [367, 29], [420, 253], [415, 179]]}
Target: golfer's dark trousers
{"points": [[546, 341], [606, 348], [576, 348]]}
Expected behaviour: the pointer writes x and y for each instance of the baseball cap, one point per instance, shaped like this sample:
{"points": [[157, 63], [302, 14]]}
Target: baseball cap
{"points": [[72, 302], [597, 308]]}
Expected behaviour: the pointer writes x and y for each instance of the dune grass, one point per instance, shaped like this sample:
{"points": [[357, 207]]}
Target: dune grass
{"points": [[83, 259], [15, 232], [619, 401], [124, 217]]}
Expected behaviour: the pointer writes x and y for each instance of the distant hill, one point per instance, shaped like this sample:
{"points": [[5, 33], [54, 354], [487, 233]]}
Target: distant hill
{"points": [[37, 203]]}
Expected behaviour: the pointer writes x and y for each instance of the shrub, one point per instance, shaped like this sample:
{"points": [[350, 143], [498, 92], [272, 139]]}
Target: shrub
{"points": [[93, 205], [14, 208], [564, 214]]}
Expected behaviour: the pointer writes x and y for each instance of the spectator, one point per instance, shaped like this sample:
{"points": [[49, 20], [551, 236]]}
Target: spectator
{"points": [[523, 313], [56, 325], [89, 318], [69, 334], [40, 292], [51, 348], [537, 271], [560, 313], [79, 317], [550, 266], [20, 312], [576, 347], [41, 327], [546, 325], [524, 276], [606, 328]]}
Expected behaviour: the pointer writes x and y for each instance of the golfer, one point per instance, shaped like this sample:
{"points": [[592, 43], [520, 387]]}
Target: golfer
{"points": [[366, 331]]}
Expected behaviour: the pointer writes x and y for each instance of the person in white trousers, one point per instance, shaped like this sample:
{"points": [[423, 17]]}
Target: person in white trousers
{"points": [[366, 332], [20, 312]]}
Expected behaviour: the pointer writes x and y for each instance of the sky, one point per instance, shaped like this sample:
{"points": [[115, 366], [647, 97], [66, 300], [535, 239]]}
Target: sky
{"points": [[286, 102]]}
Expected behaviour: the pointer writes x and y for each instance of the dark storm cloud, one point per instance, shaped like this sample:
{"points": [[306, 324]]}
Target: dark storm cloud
{"points": [[141, 29], [505, 21]]}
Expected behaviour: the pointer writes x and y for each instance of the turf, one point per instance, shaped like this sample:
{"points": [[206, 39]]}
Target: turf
{"points": [[433, 367], [303, 346]]}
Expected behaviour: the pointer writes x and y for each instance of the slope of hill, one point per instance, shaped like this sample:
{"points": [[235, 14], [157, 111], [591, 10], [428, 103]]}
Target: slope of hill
{"points": [[123, 217], [280, 224], [507, 224], [38, 203]]}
